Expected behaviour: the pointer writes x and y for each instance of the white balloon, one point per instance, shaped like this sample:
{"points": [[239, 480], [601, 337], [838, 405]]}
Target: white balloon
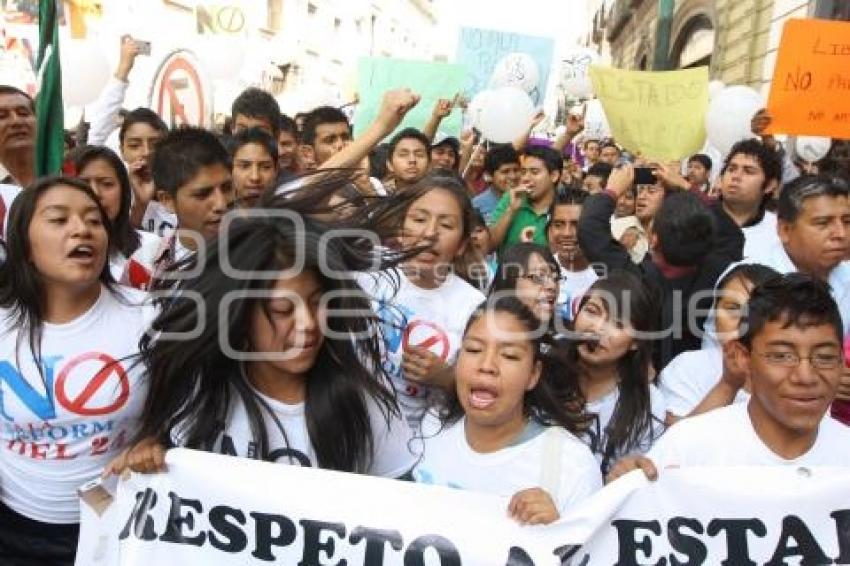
{"points": [[729, 116], [575, 72], [812, 148], [476, 107], [516, 69], [506, 114], [222, 57], [714, 88], [596, 125], [85, 71]]}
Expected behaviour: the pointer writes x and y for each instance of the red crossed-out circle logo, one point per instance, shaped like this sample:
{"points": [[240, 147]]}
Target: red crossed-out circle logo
{"points": [[111, 379], [424, 334]]}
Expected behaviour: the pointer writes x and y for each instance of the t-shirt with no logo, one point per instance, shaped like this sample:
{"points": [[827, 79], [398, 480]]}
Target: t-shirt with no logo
{"points": [[431, 318], [526, 225], [602, 410], [391, 453], [448, 460], [726, 437], [59, 430], [689, 377], [760, 238]]}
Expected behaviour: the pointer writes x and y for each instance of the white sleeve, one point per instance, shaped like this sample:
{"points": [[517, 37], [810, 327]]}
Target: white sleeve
{"points": [[104, 111], [666, 451], [393, 450], [581, 477], [681, 389]]}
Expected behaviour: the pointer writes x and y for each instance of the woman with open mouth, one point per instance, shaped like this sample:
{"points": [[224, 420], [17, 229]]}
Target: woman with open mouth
{"points": [[106, 174], [508, 427], [71, 392]]}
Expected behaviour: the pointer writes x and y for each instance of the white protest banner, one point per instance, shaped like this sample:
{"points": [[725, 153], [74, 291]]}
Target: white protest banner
{"points": [[221, 511]]}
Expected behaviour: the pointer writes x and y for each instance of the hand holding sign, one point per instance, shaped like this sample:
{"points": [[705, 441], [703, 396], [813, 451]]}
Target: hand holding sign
{"points": [[146, 457], [423, 366], [630, 464], [533, 507]]}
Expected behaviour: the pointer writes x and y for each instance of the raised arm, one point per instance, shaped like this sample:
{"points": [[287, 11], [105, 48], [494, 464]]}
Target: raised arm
{"points": [[442, 108], [594, 227], [396, 104], [104, 117]]}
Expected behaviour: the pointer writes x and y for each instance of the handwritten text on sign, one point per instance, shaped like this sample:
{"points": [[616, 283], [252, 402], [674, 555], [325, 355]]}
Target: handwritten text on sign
{"points": [[660, 115], [482, 49], [810, 94]]}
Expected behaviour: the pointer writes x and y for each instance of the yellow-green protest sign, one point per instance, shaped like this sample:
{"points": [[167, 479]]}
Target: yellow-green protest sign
{"points": [[659, 114]]}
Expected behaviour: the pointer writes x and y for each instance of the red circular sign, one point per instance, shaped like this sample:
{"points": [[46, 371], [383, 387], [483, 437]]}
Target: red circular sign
{"points": [[180, 94]]}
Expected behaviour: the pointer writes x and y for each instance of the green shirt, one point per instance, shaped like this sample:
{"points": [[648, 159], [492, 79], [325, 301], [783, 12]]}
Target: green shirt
{"points": [[524, 218]]}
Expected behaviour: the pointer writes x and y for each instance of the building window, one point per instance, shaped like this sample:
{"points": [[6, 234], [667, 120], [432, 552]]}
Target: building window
{"points": [[311, 9], [695, 44], [833, 9]]}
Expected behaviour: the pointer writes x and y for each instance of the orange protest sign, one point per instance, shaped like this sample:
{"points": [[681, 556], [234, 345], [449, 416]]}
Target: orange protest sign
{"points": [[810, 94]]}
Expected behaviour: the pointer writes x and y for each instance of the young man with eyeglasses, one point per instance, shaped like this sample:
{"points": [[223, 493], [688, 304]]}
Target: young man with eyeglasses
{"points": [[790, 351]]}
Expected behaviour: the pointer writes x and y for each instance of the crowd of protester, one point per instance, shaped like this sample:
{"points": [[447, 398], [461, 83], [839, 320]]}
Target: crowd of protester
{"points": [[522, 319]]}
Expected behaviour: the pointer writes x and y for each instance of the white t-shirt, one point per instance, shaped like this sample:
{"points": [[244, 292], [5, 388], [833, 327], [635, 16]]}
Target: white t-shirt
{"points": [[760, 238], [392, 456], [602, 409], [689, 377], [149, 243], [8, 194], [158, 219], [573, 286], [839, 278], [432, 318], [726, 437], [448, 460], [58, 436]]}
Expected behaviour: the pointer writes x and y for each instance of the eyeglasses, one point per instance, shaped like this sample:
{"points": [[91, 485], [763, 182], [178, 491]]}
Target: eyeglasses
{"points": [[792, 360], [540, 278]]}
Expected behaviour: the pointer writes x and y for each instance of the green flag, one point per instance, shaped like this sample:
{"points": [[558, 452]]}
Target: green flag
{"points": [[49, 145]]}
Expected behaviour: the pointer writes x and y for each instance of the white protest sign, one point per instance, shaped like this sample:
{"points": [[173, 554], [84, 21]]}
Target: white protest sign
{"points": [[220, 511]]}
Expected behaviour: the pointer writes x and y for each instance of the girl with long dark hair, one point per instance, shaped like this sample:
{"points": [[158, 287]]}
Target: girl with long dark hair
{"points": [[105, 173], [611, 360], [423, 304], [508, 426], [283, 363], [69, 394]]}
